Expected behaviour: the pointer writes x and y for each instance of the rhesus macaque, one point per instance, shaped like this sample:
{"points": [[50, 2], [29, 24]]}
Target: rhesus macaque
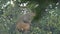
{"points": [[24, 22]]}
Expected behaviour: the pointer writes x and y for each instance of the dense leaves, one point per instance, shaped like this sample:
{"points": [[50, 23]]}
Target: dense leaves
{"points": [[46, 21]]}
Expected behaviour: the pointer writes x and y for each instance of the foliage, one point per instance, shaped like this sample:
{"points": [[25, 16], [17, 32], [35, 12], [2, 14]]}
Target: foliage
{"points": [[46, 21]]}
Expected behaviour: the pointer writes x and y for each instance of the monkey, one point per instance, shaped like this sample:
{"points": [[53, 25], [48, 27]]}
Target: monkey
{"points": [[24, 23]]}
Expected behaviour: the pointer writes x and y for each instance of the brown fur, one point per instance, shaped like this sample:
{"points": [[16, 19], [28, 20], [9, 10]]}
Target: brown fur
{"points": [[23, 26]]}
